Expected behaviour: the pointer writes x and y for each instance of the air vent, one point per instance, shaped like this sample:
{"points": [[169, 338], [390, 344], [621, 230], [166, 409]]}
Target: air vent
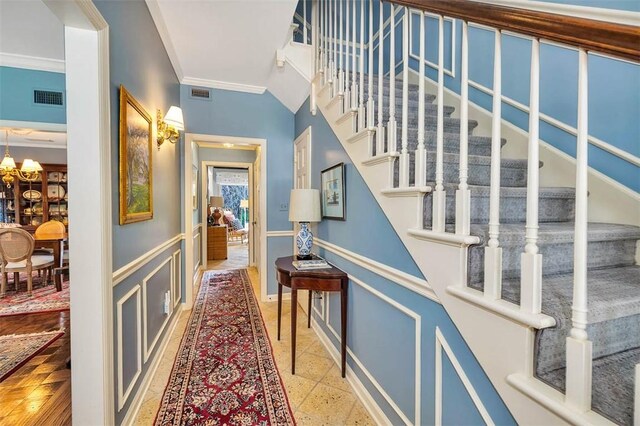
{"points": [[200, 93], [47, 97]]}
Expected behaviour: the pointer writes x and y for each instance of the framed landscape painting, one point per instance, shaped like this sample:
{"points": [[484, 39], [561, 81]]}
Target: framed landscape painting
{"points": [[333, 192], [136, 171]]}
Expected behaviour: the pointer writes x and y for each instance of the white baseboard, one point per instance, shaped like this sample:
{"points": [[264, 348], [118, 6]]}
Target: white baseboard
{"points": [[357, 386], [274, 297], [136, 402]]}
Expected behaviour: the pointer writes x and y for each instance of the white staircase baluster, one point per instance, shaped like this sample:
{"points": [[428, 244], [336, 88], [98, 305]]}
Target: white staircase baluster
{"points": [[347, 90], [315, 28], [463, 194], [361, 107], [439, 195], [421, 152], [579, 348], [354, 83], [323, 39], [335, 47], [341, 60], [330, 44], [392, 126], [531, 260], [380, 128], [370, 69], [404, 153], [493, 252], [304, 22]]}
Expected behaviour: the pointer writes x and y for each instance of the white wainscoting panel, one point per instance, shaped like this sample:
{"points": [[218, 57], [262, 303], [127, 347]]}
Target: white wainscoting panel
{"points": [[148, 349], [123, 394], [443, 345], [176, 276], [418, 353]]}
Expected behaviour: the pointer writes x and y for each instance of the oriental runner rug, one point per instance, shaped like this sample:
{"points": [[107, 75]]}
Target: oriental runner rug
{"points": [[17, 349], [224, 372], [44, 298]]}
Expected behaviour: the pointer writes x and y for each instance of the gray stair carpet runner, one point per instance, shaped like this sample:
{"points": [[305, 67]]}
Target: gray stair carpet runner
{"points": [[613, 276]]}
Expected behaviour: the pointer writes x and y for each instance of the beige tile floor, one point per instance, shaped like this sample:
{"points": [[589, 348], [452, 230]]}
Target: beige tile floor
{"points": [[317, 393]]}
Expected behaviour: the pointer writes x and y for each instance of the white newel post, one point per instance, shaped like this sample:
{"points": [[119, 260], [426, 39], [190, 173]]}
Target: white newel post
{"points": [[531, 259], [361, 106], [380, 128], [439, 195], [636, 404], [421, 152], [493, 252], [579, 348], [404, 153], [392, 126], [463, 194]]}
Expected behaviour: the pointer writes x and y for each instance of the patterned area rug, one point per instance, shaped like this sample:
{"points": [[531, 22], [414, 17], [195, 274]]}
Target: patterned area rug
{"points": [[224, 372], [17, 349], [45, 298]]}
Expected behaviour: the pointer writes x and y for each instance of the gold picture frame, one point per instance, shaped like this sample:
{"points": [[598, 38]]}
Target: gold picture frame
{"points": [[136, 167]]}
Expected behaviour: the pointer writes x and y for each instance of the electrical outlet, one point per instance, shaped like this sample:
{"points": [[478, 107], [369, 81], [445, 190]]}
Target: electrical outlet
{"points": [[284, 207]]}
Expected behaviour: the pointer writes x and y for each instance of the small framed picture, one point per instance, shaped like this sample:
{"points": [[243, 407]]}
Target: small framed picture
{"points": [[332, 181]]}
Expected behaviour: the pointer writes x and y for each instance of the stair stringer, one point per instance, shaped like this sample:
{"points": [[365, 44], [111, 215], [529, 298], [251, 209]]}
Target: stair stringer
{"points": [[504, 347]]}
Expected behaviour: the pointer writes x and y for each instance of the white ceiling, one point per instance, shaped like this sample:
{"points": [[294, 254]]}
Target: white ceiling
{"points": [[30, 34], [229, 44]]}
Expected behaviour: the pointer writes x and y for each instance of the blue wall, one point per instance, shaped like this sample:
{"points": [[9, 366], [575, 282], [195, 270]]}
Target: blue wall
{"points": [[238, 114], [139, 61], [614, 104], [16, 95], [380, 334]]}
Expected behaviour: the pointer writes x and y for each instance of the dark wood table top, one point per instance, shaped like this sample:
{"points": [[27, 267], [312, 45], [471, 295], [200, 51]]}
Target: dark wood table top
{"points": [[285, 265]]}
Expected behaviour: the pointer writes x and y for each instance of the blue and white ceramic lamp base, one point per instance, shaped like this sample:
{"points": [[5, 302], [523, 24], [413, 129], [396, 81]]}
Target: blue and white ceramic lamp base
{"points": [[304, 241]]}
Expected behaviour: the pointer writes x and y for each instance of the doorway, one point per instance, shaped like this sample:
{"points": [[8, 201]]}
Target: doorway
{"points": [[197, 143], [228, 191]]}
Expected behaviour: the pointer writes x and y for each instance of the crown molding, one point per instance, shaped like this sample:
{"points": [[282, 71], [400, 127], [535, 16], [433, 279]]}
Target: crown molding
{"points": [[31, 62], [223, 85]]}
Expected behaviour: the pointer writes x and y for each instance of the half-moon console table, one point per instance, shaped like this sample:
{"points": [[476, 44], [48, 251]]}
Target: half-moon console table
{"points": [[329, 279]]}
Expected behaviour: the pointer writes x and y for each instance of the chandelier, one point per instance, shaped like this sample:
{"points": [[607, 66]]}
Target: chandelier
{"points": [[30, 170]]}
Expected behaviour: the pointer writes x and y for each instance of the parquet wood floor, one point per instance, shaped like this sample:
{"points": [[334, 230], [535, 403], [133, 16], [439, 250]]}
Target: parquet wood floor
{"points": [[39, 393]]}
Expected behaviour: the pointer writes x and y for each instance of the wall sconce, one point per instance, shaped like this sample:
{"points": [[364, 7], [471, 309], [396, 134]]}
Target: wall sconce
{"points": [[169, 127]]}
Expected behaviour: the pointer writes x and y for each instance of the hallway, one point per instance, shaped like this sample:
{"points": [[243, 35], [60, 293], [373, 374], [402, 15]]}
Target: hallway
{"points": [[317, 393]]}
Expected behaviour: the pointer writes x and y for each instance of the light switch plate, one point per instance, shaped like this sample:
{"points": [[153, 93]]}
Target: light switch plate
{"points": [[284, 207]]}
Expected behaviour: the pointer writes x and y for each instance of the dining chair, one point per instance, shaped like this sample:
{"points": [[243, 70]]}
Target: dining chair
{"points": [[16, 255]]}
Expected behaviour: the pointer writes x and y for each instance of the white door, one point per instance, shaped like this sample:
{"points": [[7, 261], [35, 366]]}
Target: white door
{"points": [[254, 213], [302, 179]]}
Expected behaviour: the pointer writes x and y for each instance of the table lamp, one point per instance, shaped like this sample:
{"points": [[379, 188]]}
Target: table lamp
{"points": [[304, 207], [217, 203]]}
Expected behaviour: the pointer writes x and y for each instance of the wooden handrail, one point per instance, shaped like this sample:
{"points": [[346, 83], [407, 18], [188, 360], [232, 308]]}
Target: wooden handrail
{"points": [[613, 39]]}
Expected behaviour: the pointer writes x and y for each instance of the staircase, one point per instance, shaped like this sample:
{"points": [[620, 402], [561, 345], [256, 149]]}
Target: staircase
{"points": [[501, 261]]}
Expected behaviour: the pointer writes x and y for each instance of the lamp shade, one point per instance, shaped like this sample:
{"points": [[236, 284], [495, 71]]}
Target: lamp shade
{"points": [[28, 166], [216, 201], [174, 118], [7, 163], [244, 204], [304, 205]]}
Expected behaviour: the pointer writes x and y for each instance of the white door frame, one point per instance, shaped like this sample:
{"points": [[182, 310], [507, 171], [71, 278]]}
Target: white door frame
{"points": [[305, 137], [203, 200], [89, 168], [212, 141]]}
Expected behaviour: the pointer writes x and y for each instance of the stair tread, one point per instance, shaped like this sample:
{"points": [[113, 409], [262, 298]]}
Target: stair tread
{"points": [[613, 377], [560, 232], [612, 293], [511, 191]]}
